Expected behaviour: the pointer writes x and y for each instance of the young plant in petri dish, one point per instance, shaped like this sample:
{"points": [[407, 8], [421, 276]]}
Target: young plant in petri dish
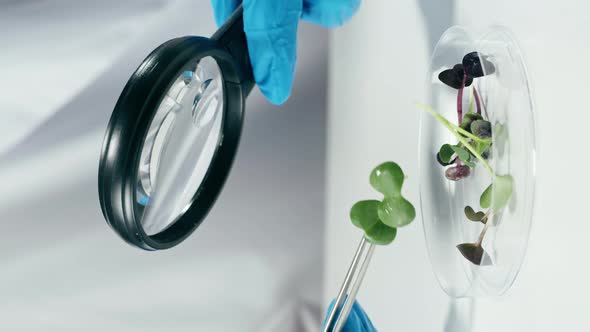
{"points": [[473, 132]]}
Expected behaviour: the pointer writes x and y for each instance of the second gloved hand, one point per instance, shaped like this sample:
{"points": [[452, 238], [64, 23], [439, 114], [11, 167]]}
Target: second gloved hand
{"points": [[357, 321], [271, 32]]}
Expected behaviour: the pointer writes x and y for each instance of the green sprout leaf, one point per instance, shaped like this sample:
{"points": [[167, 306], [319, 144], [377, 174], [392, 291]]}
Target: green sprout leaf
{"points": [[482, 147], [380, 234], [379, 220], [446, 153], [396, 212], [364, 215], [481, 129], [463, 155], [501, 137], [387, 179], [474, 253], [500, 130], [485, 200], [468, 119], [472, 215], [461, 135], [497, 194]]}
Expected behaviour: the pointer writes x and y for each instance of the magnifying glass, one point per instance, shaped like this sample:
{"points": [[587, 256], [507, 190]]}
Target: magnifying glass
{"points": [[173, 135]]}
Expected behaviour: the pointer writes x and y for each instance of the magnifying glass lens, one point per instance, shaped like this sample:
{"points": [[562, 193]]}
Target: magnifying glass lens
{"points": [[173, 136], [180, 145]]}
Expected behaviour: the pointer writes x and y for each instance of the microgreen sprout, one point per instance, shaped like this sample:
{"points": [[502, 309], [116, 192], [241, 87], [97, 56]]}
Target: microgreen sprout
{"points": [[497, 194], [481, 128], [477, 65], [380, 219], [454, 77], [474, 252], [474, 134], [474, 216], [474, 65], [481, 144], [468, 119]]}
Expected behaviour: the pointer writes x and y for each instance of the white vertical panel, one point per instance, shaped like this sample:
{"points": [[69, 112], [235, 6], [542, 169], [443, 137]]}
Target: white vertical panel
{"points": [[378, 62], [377, 72]]}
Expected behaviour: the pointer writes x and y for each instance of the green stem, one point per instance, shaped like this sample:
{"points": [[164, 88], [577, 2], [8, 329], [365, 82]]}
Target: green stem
{"points": [[482, 234], [470, 135], [470, 100], [476, 154], [452, 126], [456, 130]]}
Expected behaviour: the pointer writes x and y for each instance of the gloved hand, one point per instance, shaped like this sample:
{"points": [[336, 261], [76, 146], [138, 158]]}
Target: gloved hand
{"points": [[271, 32], [357, 321]]}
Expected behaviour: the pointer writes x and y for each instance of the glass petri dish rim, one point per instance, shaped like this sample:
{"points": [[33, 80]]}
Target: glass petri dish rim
{"points": [[508, 38]]}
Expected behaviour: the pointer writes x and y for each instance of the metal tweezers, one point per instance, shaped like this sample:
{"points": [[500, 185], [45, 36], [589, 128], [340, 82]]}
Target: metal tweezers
{"points": [[345, 299]]}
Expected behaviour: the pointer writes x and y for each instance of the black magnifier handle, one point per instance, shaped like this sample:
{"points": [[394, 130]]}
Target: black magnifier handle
{"points": [[232, 37]]}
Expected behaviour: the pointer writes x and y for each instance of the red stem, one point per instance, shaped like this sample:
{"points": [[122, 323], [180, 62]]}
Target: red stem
{"points": [[484, 108], [476, 95], [460, 105], [460, 98]]}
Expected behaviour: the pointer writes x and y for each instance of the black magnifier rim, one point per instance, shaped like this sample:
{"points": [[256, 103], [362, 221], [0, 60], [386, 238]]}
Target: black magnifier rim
{"points": [[128, 128]]}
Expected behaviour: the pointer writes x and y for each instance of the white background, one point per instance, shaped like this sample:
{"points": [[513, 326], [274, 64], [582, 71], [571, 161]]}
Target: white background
{"points": [[255, 264], [378, 63], [260, 254]]}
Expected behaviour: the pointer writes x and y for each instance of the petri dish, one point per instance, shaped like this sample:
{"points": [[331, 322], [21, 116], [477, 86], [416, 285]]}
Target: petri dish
{"points": [[477, 171]]}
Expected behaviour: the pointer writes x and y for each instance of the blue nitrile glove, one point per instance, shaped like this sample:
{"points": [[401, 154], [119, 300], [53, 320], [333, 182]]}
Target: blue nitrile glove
{"points": [[271, 32], [357, 321]]}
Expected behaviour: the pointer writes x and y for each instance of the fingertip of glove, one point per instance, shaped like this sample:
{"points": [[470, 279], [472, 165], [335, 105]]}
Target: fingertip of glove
{"points": [[353, 323], [274, 76], [330, 14], [276, 95]]}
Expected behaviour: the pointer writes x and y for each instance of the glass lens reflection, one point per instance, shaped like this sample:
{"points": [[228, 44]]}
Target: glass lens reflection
{"points": [[180, 145]]}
